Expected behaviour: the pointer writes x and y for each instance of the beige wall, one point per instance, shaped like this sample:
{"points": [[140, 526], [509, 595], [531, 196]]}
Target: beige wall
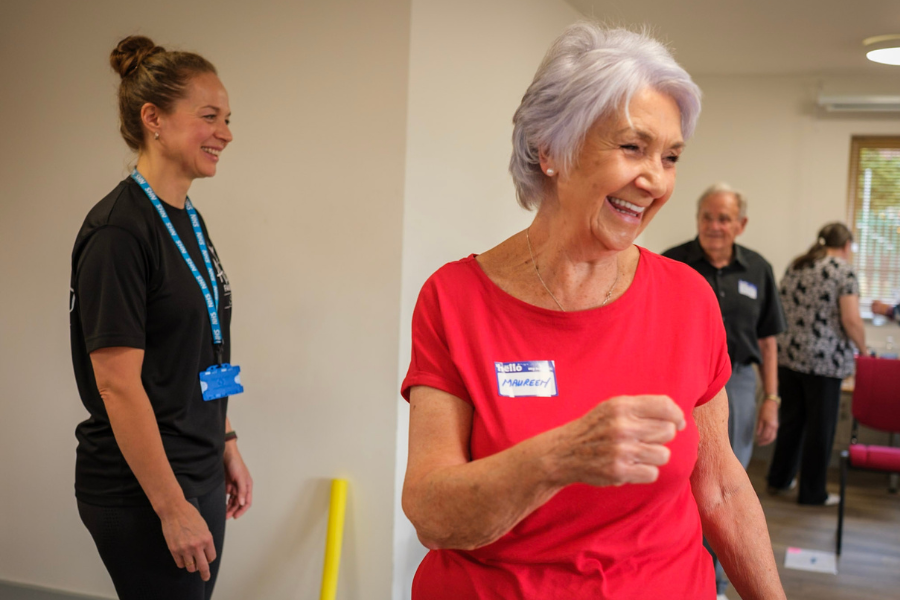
{"points": [[471, 62], [764, 136], [307, 215]]}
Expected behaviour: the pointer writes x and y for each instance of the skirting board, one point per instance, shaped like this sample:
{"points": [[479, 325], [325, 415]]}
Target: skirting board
{"points": [[20, 591]]}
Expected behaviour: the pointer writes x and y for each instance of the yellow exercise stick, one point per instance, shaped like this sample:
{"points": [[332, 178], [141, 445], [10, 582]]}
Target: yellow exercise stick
{"points": [[333, 539]]}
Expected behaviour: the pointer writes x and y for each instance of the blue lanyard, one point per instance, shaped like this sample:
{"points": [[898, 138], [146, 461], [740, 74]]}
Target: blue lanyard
{"points": [[212, 306]]}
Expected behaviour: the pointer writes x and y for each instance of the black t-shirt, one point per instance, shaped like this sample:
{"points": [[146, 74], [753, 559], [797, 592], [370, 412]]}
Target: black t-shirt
{"points": [[131, 287], [748, 297]]}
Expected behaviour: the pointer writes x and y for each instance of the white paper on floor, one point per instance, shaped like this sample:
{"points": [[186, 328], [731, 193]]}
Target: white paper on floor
{"points": [[810, 560]]}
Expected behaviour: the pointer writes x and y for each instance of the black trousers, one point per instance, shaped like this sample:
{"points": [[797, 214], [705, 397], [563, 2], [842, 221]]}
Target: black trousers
{"points": [[808, 418], [134, 550]]}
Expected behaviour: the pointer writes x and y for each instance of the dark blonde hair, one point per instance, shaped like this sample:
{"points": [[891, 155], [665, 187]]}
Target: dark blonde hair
{"points": [[833, 235], [150, 74]]}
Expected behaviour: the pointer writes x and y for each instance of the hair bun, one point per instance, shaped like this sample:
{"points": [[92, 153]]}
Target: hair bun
{"points": [[131, 52]]}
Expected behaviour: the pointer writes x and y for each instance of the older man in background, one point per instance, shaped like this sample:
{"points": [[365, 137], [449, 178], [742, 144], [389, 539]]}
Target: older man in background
{"points": [[751, 309]]}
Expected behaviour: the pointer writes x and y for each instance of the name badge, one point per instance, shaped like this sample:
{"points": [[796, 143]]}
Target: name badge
{"points": [[747, 289], [219, 381], [535, 378]]}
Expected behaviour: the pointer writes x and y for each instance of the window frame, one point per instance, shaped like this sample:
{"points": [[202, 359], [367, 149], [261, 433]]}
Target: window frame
{"points": [[857, 144]]}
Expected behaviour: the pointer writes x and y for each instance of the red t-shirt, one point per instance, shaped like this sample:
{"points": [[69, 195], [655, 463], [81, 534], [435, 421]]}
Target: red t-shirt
{"points": [[664, 335]]}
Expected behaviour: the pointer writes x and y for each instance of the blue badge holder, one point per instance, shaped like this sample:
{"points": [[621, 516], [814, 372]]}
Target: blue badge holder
{"points": [[219, 381]]}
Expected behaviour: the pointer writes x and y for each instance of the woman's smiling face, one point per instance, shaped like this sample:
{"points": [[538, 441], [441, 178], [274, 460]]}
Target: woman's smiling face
{"points": [[196, 131], [625, 171]]}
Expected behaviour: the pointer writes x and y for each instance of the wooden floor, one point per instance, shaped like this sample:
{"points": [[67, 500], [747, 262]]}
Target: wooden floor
{"points": [[869, 567]]}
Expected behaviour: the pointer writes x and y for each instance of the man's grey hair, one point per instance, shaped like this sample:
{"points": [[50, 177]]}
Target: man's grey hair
{"points": [[590, 72], [724, 188]]}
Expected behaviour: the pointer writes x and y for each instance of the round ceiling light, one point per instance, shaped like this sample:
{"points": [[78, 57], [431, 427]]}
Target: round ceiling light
{"points": [[884, 49]]}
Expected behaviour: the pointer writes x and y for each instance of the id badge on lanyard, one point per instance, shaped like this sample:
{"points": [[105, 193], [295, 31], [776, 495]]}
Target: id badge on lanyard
{"points": [[219, 380]]}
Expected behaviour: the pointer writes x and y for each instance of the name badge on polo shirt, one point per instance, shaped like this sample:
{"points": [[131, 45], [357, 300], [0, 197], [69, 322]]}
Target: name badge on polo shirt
{"points": [[534, 378], [745, 288], [219, 381]]}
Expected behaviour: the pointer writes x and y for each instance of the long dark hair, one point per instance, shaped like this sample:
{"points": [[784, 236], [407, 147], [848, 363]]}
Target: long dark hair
{"points": [[833, 235]]}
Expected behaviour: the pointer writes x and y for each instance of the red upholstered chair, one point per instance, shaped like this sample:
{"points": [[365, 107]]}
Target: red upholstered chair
{"points": [[876, 404]]}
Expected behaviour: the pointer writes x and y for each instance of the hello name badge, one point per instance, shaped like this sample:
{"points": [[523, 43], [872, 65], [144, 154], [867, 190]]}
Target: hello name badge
{"points": [[745, 288], [532, 378]]}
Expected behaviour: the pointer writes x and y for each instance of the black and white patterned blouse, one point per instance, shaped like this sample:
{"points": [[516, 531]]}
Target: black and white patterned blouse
{"points": [[815, 342]]}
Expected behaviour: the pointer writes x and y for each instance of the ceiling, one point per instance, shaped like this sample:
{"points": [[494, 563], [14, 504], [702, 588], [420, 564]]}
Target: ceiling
{"points": [[801, 37]]}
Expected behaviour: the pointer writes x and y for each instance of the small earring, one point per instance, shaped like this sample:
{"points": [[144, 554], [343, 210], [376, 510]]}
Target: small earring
{"points": [[155, 135], [550, 172]]}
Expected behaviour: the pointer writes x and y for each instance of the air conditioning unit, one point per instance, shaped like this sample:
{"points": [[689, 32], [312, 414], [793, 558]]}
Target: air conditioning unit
{"points": [[878, 104]]}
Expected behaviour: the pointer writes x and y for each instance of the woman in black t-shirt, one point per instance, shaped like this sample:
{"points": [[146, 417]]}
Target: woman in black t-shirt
{"points": [[158, 469]]}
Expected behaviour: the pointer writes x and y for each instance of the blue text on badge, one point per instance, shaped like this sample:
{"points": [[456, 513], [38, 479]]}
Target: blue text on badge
{"points": [[534, 378]]}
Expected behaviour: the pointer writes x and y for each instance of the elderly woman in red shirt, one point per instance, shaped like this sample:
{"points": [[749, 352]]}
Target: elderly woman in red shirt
{"points": [[567, 412]]}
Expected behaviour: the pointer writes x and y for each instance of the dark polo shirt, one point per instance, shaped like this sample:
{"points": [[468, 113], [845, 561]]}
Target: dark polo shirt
{"points": [[748, 297]]}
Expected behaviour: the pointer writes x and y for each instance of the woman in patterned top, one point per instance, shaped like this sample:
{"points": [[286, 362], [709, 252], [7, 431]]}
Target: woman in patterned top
{"points": [[820, 296]]}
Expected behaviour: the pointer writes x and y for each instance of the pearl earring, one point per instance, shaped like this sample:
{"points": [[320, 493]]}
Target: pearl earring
{"points": [[550, 172], [155, 135]]}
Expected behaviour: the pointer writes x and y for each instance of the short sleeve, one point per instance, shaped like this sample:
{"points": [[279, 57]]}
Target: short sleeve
{"points": [[431, 362], [111, 290], [849, 285], [771, 315], [719, 362]]}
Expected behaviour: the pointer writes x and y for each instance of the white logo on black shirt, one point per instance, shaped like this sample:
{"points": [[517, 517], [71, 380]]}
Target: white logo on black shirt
{"points": [[220, 273]]}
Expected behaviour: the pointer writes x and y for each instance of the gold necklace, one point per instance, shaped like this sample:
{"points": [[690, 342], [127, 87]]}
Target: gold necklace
{"points": [[541, 279]]}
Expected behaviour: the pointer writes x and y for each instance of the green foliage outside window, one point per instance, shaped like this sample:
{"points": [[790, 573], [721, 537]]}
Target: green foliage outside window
{"points": [[875, 210]]}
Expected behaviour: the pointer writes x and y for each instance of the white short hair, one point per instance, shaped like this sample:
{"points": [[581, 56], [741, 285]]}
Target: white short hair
{"points": [[589, 72], [724, 188]]}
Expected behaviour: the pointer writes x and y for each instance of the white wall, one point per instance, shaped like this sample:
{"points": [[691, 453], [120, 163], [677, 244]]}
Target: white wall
{"points": [[307, 215], [764, 135], [471, 62]]}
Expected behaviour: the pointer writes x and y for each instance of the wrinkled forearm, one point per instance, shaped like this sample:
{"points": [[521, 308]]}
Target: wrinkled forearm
{"points": [[735, 527], [471, 505], [733, 521]]}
